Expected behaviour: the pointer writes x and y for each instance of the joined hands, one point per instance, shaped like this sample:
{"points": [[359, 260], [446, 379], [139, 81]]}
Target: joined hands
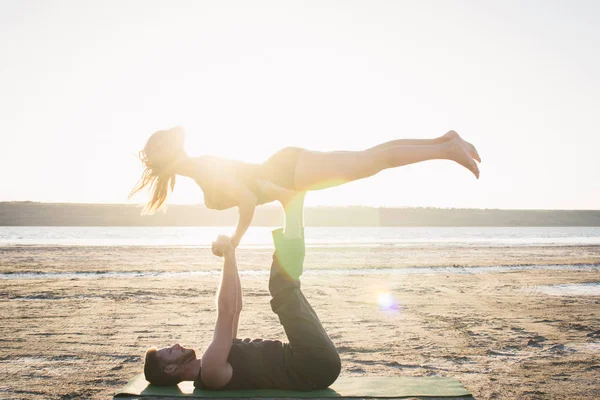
{"points": [[222, 246]]}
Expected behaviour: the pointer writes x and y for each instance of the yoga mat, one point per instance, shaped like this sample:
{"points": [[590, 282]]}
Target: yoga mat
{"points": [[355, 387]]}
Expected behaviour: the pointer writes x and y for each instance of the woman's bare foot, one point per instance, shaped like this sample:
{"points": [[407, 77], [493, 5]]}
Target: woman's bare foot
{"points": [[463, 153], [450, 135]]}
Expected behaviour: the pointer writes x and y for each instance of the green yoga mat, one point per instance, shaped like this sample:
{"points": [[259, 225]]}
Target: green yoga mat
{"points": [[355, 387]]}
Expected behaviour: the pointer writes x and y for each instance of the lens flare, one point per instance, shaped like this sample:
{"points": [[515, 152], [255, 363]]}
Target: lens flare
{"points": [[387, 302]]}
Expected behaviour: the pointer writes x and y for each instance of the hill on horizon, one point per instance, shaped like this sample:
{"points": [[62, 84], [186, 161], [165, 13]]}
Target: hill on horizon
{"points": [[27, 213]]}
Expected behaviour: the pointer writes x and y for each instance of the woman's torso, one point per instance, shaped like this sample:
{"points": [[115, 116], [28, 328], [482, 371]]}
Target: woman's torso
{"points": [[216, 170]]}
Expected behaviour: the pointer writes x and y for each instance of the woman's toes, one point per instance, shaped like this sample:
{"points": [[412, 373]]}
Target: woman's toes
{"points": [[475, 169], [473, 152]]}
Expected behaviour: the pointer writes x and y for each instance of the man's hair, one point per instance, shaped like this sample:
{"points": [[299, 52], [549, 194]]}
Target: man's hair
{"points": [[154, 370]]}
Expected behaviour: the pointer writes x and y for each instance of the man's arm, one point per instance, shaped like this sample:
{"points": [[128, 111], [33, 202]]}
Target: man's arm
{"points": [[216, 371], [236, 318]]}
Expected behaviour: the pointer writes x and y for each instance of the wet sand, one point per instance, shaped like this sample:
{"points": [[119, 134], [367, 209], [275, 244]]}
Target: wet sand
{"points": [[497, 333]]}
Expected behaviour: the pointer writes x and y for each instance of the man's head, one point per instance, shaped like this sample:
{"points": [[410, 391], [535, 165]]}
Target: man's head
{"points": [[165, 366]]}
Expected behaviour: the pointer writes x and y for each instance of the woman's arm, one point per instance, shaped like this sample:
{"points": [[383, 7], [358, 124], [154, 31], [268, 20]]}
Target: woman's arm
{"points": [[245, 215], [246, 202]]}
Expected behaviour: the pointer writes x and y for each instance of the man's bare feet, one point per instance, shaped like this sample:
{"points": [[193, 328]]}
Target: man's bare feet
{"points": [[450, 135], [463, 153]]}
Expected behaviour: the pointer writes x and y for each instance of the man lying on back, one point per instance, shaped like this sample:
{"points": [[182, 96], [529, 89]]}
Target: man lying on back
{"points": [[308, 361]]}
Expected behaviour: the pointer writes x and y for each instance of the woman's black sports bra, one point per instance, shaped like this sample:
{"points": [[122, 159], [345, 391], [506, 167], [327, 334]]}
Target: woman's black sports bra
{"points": [[279, 169], [247, 174]]}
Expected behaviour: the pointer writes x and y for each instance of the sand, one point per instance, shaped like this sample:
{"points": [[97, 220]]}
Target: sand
{"points": [[496, 332]]}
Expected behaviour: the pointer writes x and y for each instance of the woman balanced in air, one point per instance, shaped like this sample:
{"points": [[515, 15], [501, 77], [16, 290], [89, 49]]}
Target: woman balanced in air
{"points": [[229, 183]]}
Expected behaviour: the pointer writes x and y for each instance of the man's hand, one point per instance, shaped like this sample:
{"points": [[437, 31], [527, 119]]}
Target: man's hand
{"points": [[222, 246]]}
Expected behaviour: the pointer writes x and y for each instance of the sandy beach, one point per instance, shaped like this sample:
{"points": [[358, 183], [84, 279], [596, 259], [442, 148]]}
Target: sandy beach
{"points": [[439, 157], [497, 332]]}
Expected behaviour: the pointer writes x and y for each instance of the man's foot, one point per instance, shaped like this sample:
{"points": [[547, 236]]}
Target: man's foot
{"points": [[450, 135], [463, 153]]}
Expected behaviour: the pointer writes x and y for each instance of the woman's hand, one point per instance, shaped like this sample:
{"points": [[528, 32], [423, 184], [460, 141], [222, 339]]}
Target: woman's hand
{"points": [[222, 246], [246, 212]]}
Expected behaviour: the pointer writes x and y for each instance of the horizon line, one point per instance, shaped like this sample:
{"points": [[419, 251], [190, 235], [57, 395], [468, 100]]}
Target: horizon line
{"points": [[306, 207]]}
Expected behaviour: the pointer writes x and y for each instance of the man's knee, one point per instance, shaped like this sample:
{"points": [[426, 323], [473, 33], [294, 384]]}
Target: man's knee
{"points": [[330, 366], [334, 365]]}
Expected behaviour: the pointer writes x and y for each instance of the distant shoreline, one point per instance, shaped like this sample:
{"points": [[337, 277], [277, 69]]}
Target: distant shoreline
{"points": [[79, 214]]}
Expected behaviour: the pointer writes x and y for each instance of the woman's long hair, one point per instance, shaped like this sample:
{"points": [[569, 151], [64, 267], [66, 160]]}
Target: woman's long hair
{"points": [[159, 175]]}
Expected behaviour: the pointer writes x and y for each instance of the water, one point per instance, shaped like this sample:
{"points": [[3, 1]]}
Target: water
{"points": [[260, 237], [345, 247], [552, 289], [575, 289]]}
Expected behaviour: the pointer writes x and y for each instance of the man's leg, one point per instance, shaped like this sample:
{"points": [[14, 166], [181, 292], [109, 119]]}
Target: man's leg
{"points": [[310, 353], [288, 260]]}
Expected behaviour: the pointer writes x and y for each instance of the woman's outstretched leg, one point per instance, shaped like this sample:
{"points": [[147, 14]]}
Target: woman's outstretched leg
{"points": [[319, 170], [426, 142], [407, 142]]}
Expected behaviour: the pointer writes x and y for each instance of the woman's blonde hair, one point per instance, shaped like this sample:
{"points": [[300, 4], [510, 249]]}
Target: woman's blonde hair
{"points": [[159, 172]]}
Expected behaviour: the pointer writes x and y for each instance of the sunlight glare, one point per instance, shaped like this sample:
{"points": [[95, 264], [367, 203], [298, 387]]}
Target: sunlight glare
{"points": [[387, 302]]}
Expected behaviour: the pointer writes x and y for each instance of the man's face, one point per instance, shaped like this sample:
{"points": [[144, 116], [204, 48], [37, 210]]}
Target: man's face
{"points": [[176, 354]]}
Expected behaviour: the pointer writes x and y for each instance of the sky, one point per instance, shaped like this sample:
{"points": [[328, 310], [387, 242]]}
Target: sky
{"points": [[83, 84]]}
